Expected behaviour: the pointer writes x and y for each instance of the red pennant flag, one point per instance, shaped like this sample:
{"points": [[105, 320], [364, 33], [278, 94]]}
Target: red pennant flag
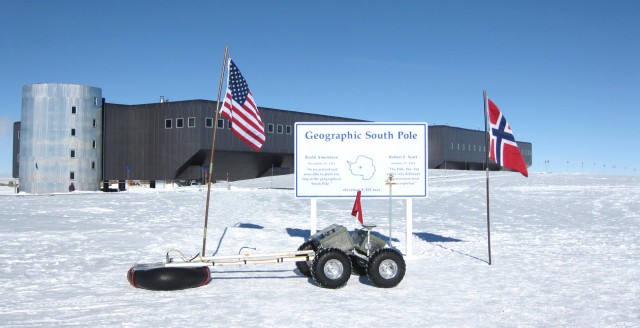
{"points": [[357, 208]]}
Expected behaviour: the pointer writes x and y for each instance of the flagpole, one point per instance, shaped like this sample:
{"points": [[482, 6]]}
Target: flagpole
{"points": [[486, 165], [213, 144]]}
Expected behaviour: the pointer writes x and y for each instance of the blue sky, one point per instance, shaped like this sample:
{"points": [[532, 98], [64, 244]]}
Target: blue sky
{"points": [[566, 74]]}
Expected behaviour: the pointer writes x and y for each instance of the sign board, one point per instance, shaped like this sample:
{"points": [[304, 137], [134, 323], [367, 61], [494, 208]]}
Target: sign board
{"points": [[334, 160]]}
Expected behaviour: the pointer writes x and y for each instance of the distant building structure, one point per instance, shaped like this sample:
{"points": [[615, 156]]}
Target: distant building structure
{"points": [[59, 137], [70, 138], [464, 149]]}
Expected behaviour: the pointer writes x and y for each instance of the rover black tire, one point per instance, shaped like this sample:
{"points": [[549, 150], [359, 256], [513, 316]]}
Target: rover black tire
{"points": [[157, 276], [304, 266], [331, 268], [386, 268], [358, 265]]}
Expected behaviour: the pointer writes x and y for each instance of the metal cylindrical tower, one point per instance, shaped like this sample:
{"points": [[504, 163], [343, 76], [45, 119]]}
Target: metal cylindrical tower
{"points": [[60, 138]]}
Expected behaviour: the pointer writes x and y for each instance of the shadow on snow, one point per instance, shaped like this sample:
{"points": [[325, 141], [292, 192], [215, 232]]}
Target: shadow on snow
{"points": [[433, 238]]}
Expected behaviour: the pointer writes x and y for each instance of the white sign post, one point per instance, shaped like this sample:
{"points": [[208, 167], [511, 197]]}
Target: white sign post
{"points": [[335, 160]]}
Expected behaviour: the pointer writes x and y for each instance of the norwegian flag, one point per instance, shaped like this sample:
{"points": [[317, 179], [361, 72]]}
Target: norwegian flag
{"points": [[504, 149], [241, 110]]}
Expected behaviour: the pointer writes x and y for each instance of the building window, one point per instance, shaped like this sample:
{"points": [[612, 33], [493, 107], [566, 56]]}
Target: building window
{"points": [[270, 127], [93, 165], [18, 134], [192, 122], [73, 153], [72, 175], [452, 146], [73, 109], [73, 132], [95, 101], [94, 144], [288, 129], [280, 129], [167, 123], [94, 123], [220, 123], [179, 123]]}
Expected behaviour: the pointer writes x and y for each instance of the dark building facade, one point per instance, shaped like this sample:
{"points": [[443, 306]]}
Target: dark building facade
{"points": [[172, 141], [16, 149]]}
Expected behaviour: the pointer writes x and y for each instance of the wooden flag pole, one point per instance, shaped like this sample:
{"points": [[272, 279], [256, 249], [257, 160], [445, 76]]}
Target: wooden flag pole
{"points": [[213, 145], [486, 165]]}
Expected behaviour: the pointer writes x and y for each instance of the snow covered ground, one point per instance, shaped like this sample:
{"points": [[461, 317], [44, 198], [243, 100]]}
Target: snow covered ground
{"points": [[566, 253]]}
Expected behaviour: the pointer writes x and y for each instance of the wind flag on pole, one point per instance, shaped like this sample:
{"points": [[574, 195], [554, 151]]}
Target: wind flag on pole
{"points": [[357, 208], [504, 149], [241, 110]]}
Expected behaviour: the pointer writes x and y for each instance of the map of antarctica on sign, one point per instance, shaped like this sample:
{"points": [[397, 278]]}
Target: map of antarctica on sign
{"points": [[334, 160], [363, 166]]}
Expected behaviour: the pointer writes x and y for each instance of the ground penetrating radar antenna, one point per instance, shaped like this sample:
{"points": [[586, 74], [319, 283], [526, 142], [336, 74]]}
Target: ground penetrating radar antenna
{"points": [[390, 183]]}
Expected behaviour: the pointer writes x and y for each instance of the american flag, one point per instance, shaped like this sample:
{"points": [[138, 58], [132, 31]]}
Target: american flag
{"points": [[504, 149], [241, 110]]}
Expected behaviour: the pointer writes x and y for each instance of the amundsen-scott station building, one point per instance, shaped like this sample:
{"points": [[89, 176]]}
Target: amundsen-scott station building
{"points": [[70, 136]]}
